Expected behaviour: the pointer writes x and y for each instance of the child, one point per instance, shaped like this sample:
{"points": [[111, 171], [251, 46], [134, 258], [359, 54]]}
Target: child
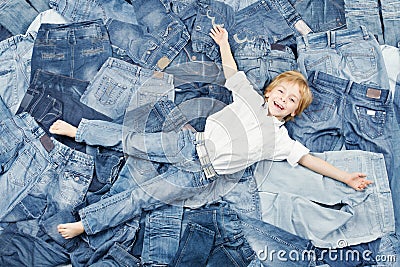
{"points": [[248, 130]]}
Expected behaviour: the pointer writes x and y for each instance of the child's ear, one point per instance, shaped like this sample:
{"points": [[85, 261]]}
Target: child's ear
{"points": [[293, 114]]}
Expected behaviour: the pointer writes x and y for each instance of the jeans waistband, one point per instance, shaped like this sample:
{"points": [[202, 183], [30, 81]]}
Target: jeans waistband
{"points": [[135, 70], [202, 153], [343, 86], [73, 31], [331, 38], [11, 42]]}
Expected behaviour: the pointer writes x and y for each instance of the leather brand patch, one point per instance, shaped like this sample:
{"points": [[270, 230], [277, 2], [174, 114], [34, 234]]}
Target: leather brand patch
{"points": [[373, 93]]}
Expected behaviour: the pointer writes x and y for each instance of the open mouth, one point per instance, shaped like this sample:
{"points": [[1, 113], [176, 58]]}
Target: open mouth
{"points": [[277, 105]]}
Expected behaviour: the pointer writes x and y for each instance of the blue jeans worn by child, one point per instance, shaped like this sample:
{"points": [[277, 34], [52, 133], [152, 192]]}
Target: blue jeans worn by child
{"points": [[15, 57], [352, 54], [76, 50]]}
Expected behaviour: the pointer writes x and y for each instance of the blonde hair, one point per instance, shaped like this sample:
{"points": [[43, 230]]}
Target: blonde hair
{"points": [[295, 77]]}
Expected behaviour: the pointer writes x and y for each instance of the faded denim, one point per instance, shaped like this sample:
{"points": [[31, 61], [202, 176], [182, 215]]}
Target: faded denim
{"points": [[352, 54], [15, 69], [262, 61], [293, 206], [117, 82], [16, 15]]}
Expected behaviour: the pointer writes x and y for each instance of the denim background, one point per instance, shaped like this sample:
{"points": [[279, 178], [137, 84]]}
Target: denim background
{"points": [[151, 66]]}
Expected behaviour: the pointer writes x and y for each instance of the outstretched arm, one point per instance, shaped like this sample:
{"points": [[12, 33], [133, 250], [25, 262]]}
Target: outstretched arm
{"points": [[355, 180], [220, 36]]}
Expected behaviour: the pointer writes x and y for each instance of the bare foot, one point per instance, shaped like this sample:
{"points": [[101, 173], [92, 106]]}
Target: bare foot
{"points": [[70, 230], [63, 128]]}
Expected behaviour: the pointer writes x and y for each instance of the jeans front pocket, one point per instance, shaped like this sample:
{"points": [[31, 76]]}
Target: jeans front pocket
{"points": [[371, 121]]}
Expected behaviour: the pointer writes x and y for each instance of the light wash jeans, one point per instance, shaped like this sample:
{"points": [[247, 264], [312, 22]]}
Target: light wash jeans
{"points": [[351, 54], [15, 69], [328, 212]]}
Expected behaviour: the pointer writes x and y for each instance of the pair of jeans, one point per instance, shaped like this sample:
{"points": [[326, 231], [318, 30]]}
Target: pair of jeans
{"points": [[346, 113], [15, 55], [51, 97], [42, 179], [352, 54], [117, 82], [76, 50], [329, 213], [381, 18], [320, 15], [262, 61], [17, 15], [148, 42], [161, 226], [213, 236]]}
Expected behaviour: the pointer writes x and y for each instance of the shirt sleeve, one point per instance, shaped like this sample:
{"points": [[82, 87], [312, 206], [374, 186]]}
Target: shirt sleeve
{"points": [[242, 88], [297, 152]]}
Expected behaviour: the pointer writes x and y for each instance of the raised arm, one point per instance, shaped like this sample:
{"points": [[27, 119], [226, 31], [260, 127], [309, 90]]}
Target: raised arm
{"points": [[355, 180], [220, 36]]}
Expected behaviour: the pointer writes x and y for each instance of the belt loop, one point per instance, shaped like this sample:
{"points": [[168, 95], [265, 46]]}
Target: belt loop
{"points": [[315, 76], [47, 37], [348, 87], [364, 32], [332, 35], [305, 40]]}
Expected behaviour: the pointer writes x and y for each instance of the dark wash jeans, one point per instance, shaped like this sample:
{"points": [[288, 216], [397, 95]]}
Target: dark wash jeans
{"points": [[51, 97], [76, 50], [213, 236]]}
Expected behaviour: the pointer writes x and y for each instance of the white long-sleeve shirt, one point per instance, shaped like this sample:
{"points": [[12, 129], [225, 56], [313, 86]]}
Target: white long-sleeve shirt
{"points": [[242, 133]]}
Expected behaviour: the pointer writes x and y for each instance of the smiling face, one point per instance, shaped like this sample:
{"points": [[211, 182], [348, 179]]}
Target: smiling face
{"points": [[283, 100]]}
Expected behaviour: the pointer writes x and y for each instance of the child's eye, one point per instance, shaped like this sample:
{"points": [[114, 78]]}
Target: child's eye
{"points": [[292, 100], [280, 91]]}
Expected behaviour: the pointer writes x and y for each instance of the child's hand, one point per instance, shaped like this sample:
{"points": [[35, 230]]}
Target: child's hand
{"points": [[357, 181], [219, 35]]}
